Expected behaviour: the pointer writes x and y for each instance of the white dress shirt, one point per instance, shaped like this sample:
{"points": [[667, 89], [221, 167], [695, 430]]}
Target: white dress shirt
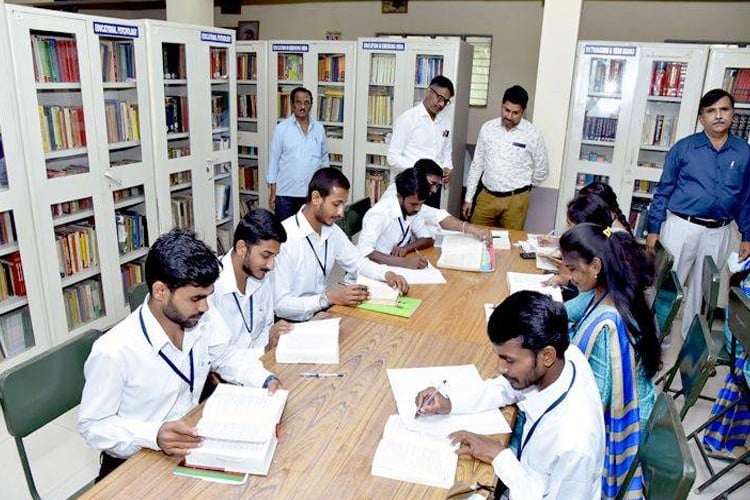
{"points": [[431, 216], [130, 390], [300, 282], [417, 136], [226, 297], [507, 159], [384, 227], [565, 455]]}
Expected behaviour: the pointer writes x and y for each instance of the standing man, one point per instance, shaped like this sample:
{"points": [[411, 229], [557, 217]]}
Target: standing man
{"points": [[562, 451], [315, 243], [705, 185], [243, 294], [147, 372], [299, 148], [509, 159], [424, 131]]}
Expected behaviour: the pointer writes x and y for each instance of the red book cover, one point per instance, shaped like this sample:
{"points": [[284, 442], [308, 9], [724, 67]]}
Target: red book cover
{"points": [[184, 108], [16, 269]]}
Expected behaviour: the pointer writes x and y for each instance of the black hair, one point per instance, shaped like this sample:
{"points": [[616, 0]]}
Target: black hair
{"points": [[259, 224], [624, 273], [443, 82], [426, 167], [324, 180], [178, 258], [517, 95], [295, 90], [605, 192], [412, 181], [535, 317], [589, 208], [712, 97]]}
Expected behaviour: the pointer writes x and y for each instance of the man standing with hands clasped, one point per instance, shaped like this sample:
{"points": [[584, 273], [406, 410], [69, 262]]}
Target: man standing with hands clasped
{"points": [[705, 184], [561, 451]]}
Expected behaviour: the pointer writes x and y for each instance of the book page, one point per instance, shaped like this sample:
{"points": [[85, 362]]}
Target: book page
{"points": [[380, 293], [311, 342], [533, 282], [242, 413], [427, 276], [501, 239], [461, 252]]}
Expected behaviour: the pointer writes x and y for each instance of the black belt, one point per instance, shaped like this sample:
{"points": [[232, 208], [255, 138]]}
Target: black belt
{"points": [[709, 223], [505, 194]]}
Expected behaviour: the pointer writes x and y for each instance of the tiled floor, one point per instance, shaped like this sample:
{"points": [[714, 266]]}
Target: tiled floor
{"points": [[62, 463]]}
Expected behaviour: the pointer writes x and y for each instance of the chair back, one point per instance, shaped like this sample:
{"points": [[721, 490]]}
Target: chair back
{"points": [[667, 302], [710, 289], [739, 316], [137, 294], [663, 261], [351, 222], [696, 361], [664, 455]]}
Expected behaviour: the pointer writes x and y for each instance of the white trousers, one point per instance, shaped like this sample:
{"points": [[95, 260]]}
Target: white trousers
{"points": [[690, 243]]}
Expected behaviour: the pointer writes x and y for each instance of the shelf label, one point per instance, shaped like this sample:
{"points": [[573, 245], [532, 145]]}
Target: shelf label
{"points": [[609, 50], [290, 47], [400, 46], [213, 36], [118, 30]]}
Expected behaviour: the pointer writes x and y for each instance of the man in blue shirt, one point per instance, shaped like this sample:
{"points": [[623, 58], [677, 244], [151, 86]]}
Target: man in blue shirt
{"points": [[704, 186], [298, 149]]}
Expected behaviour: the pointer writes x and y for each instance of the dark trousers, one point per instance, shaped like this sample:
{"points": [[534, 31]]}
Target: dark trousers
{"points": [[109, 463], [286, 206]]}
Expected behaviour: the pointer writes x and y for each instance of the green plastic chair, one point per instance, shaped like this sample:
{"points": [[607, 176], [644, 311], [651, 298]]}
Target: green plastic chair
{"points": [[37, 391], [664, 456], [351, 222], [710, 288], [666, 304], [663, 261], [137, 294]]}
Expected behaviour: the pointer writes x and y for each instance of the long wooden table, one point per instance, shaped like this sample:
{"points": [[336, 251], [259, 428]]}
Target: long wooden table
{"points": [[330, 427], [456, 309]]}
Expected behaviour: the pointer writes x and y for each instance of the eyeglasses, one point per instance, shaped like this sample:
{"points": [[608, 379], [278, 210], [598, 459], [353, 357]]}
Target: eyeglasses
{"points": [[440, 99]]}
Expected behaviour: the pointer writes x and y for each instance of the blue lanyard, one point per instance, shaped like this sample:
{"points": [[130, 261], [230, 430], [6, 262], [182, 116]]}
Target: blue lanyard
{"points": [[589, 309], [325, 256], [188, 381], [404, 232], [250, 328], [549, 409]]}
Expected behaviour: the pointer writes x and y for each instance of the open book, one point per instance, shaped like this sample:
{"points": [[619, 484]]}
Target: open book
{"points": [[427, 276], [466, 253], [310, 342], [533, 282], [380, 293], [238, 428]]}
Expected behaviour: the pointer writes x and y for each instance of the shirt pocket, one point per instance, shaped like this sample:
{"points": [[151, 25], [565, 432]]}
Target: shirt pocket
{"points": [[733, 175]]}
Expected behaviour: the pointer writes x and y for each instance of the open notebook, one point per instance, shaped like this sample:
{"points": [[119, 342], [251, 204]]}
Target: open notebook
{"points": [[533, 282], [310, 342], [466, 253], [380, 293]]}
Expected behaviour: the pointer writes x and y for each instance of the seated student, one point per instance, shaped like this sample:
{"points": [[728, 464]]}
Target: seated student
{"points": [[562, 450], [147, 372], [615, 329], [243, 294], [314, 244], [391, 229], [605, 192]]}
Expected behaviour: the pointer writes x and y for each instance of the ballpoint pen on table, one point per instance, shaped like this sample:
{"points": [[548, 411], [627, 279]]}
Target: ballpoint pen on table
{"points": [[320, 375], [429, 400]]}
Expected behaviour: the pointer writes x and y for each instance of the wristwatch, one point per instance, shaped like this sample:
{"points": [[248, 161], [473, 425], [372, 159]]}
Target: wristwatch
{"points": [[323, 301]]}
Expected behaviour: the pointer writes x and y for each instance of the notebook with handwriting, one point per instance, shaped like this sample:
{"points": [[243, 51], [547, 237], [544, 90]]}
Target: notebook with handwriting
{"points": [[312, 342]]}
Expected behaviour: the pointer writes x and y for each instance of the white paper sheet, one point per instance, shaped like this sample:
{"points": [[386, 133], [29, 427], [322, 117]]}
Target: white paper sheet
{"points": [[427, 276]]}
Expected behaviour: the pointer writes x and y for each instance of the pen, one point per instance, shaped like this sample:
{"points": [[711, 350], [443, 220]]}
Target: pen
{"points": [[320, 375], [431, 398], [551, 233]]}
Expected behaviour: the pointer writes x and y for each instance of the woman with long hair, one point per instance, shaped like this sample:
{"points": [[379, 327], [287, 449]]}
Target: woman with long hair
{"points": [[615, 329], [605, 192]]}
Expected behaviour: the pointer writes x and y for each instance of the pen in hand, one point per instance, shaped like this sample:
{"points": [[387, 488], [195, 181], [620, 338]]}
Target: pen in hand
{"points": [[429, 400]]}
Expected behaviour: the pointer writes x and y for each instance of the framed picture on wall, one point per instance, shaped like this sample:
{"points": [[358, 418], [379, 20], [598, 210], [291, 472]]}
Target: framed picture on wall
{"points": [[248, 30], [395, 6]]}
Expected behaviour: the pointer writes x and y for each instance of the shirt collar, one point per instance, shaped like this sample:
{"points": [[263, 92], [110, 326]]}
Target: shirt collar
{"points": [[228, 279], [702, 140], [424, 113], [537, 402], [305, 229], [158, 336]]}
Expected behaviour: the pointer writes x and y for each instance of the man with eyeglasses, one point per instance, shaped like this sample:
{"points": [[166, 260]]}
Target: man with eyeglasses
{"points": [[298, 149], [509, 159], [424, 131]]}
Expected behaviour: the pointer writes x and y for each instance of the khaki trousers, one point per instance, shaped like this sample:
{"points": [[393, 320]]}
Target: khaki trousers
{"points": [[508, 212]]}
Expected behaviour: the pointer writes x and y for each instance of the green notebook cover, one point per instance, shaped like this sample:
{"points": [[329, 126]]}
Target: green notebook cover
{"points": [[215, 476], [405, 308]]}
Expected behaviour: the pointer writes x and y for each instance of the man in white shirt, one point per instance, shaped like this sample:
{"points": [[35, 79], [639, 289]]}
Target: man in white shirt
{"points": [[509, 159], [392, 228], [424, 131], [314, 244], [145, 374], [243, 294], [561, 450]]}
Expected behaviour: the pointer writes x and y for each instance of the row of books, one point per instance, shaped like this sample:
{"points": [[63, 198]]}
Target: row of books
{"points": [[83, 302], [379, 108], [331, 67], [221, 142], [283, 105], [599, 129], [584, 179], [173, 61], [650, 164], [331, 107], [219, 66], [54, 171], [176, 113], [741, 125], [247, 150], [132, 274], [178, 151], [383, 69], [644, 187], [668, 78], [182, 211], [220, 110], [16, 334], [55, 58], [247, 66], [377, 135], [12, 282], [127, 193], [62, 127], [122, 121], [737, 83], [247, 106], [7, 228], [377, 160], [659, 130], [594, 156], [606, 76], [223, 240], [638, 218], [71, 207], [427, 68], [222, 197], [289, 67], [335, 157], [178, 178], [131, 230], [247, 203], [76, 248], [248, 177], [118, 60], [376, 182]]}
